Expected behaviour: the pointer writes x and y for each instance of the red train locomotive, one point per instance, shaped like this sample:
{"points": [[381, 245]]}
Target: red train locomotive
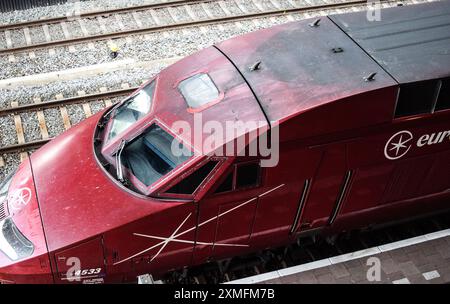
{"points": [[357, 114]]}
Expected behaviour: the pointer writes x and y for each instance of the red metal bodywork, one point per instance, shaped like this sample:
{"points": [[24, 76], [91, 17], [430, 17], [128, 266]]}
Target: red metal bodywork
{"points": [[331, 122]]}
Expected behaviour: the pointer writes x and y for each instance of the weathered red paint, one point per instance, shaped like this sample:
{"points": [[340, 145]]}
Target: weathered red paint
{"points": [[331, 122]]}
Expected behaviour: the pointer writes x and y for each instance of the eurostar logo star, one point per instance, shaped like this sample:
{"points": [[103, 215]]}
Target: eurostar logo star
{"points": [[19, 198], [398, 145]]}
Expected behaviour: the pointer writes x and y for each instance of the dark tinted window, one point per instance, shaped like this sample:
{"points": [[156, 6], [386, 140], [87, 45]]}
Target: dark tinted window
{"points": [[193, 181], [247, 175], [443, 102], [150, 156], [416, 98], [227, 184]]}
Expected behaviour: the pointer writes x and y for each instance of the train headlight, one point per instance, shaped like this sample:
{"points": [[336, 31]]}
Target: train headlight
{"points": [[12, 242]]}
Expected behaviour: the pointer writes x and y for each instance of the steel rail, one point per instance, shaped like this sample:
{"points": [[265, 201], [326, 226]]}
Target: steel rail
{"points": [[66, 101], [159, 28], [17, 148], [24, 147], [53, 20]]}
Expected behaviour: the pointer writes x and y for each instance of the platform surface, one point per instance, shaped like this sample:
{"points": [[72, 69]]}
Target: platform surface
{"points": [[421, 260]]}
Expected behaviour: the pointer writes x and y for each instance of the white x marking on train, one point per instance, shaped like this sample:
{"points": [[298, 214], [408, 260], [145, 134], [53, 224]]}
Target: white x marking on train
{"points": [[175, 237]]}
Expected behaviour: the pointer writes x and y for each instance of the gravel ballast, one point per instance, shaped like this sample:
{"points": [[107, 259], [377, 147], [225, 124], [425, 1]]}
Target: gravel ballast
{"points": [[63, 9], [70, 88], [7, 131], [12, 161]]}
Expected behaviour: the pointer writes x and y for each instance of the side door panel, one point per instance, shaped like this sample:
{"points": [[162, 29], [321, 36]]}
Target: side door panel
{"points": [[234, 229], [325, 189], [277, 207], [225, 224]]}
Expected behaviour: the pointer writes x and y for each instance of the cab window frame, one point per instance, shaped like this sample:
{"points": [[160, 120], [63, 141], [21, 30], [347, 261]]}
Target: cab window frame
{"points": [[164, 191], [233, 170]]}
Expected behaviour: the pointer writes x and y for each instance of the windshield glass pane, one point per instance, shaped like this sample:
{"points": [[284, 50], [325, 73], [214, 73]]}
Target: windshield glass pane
{"points": [[132, 110], [154, 154]]}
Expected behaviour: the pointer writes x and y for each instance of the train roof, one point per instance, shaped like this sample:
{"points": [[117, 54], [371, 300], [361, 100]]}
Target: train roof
{"points": [[302, 66], [305, 66], [411, 43]]}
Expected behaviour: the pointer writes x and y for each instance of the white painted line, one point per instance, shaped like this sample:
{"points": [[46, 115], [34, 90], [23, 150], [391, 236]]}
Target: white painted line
{"points": [[431, 275], [438, 234], [82, 72], [257, 278], [355, 255], [401, 281], [403, 243], [345, 258], [304, 267]]}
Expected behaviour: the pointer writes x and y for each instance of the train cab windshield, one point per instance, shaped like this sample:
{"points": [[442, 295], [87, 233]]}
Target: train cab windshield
{"points": [[132, 110], [154, 154]]}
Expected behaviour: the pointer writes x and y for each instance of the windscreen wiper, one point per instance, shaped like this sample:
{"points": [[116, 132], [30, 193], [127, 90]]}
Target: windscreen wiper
{"points": [[119, 170]]}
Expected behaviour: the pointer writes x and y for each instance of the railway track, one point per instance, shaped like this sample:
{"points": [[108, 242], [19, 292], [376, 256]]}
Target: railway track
{"points": [[173, 15], [39, 106], [22, 146]]}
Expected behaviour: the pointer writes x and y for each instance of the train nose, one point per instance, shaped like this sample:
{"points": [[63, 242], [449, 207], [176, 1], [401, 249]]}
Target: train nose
{"points": [[23, 251]]}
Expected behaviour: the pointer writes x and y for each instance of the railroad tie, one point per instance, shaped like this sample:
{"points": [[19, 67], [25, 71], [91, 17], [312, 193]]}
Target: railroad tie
{"points": [[48, 38], [85, 33], [9, 45], [26, 32], [64, 114], [211, 15], [194, 17], [19, 131], [68, 36], [86, 106], [41, 119], [107, 102], [158, 22]]}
